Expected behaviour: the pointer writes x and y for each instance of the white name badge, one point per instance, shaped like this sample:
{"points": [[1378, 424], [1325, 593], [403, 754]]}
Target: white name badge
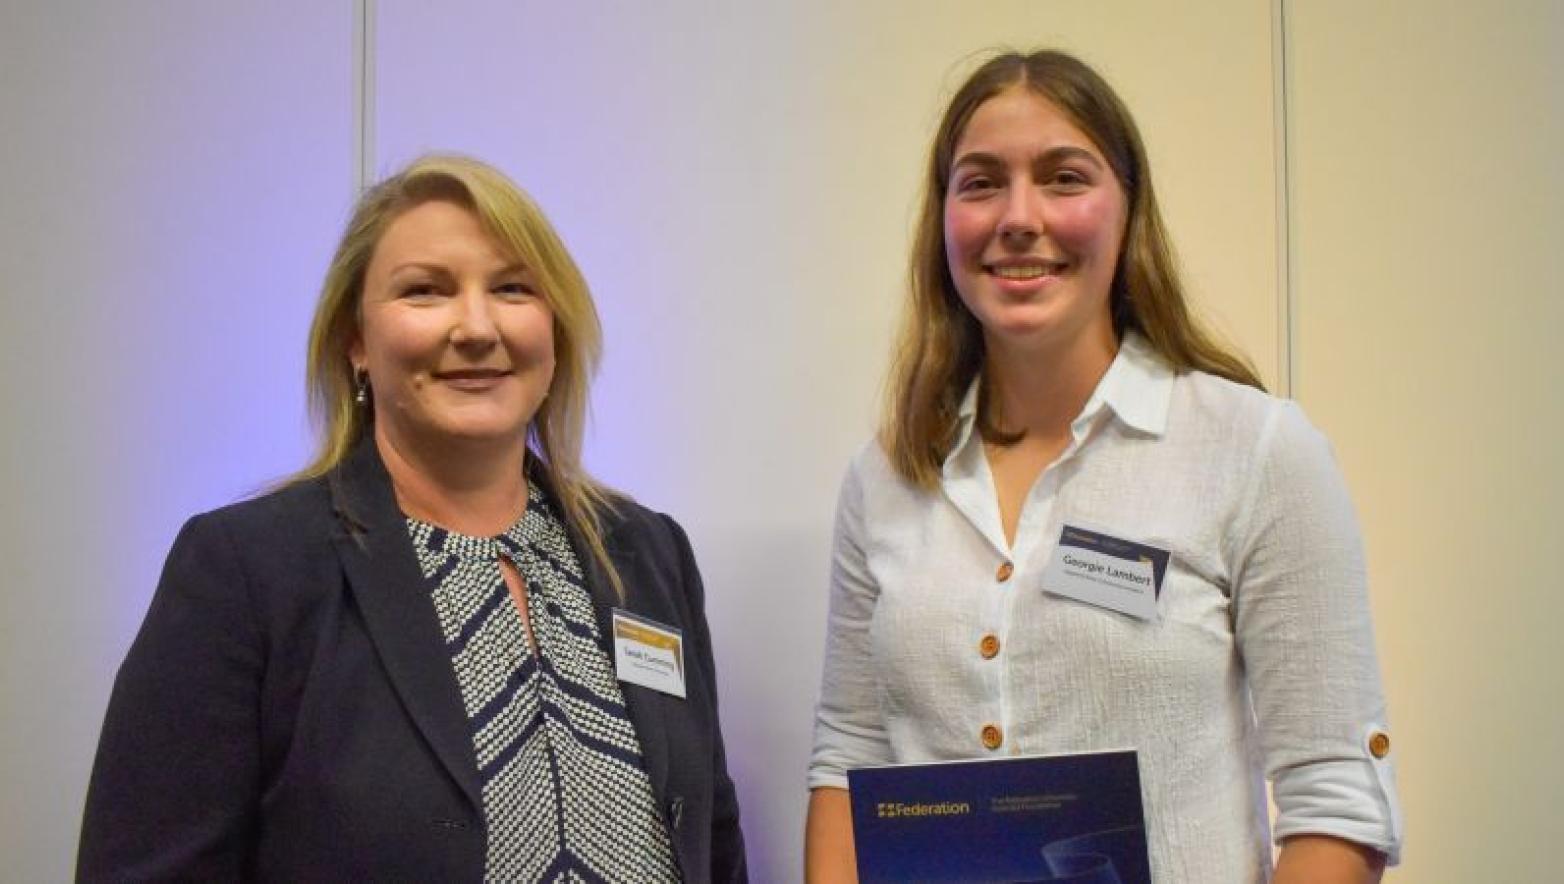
{"points": [[648, 654], [1106, 571]]}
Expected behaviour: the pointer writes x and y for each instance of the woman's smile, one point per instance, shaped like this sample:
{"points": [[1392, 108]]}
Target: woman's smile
{"points": [[472, 380]]}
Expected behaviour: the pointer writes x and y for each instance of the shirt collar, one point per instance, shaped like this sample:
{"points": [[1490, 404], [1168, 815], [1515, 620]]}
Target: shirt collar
{"points": [[1136, 388]]}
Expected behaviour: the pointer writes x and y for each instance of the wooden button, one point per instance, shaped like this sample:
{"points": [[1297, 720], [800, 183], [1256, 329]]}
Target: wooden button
{"points": [[1379, 744], [989, 646], [993, 737], [1005, 570]]}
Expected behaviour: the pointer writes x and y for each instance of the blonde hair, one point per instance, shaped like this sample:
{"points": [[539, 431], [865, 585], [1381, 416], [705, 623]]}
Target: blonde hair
{"points": [[939, 348], [519, 228]]}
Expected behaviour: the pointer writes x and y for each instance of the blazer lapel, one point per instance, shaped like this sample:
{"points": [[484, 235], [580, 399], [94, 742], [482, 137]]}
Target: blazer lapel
{"points": [[644, 704], [383, 574]]}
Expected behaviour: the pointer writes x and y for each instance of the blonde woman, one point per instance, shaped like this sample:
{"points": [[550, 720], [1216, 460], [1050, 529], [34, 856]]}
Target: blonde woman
{"points": [[402, 664], [1048, 374]]}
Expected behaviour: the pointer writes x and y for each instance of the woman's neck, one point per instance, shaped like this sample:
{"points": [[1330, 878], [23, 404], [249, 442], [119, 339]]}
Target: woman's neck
{"points": [[479, 490], [1040, 391]]}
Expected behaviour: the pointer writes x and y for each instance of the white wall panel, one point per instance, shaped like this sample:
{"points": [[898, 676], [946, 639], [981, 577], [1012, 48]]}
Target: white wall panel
{"points": [[174, 174]]}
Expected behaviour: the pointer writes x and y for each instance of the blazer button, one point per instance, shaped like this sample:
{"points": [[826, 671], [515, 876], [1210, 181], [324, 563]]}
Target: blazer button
{"points": [[989, 646], [1379, 744], [1005, 570], [993, 737]]}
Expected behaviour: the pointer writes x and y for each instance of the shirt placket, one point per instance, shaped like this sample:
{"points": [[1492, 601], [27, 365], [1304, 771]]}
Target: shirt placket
{"points": [[1037, 531]]}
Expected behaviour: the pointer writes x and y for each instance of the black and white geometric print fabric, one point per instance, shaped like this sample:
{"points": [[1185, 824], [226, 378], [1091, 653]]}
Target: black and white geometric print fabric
{"points": [[565, 797]]}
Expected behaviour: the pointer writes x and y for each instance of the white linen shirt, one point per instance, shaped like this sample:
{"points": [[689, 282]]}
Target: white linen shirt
{"points": [[1261, 656]]}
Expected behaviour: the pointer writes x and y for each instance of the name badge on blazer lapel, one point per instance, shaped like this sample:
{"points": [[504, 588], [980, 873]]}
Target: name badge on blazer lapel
{"points": [[648, 654]]}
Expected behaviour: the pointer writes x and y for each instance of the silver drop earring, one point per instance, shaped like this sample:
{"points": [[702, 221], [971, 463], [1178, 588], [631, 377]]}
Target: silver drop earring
{"points": [[361, 387]]}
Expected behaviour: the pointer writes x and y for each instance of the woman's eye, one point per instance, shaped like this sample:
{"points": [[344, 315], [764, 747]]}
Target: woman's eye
{"points": [[419, 290], [975, 184], [514, 289], [1069, 178]]}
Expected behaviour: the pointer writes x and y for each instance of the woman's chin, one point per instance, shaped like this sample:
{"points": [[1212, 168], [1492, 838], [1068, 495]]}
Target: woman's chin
{"points": [[469, 435], [1021, 332]]}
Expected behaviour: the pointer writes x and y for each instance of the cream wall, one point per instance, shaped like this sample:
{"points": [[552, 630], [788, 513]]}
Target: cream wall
{"points": [[738, 184], [1426, 193]]}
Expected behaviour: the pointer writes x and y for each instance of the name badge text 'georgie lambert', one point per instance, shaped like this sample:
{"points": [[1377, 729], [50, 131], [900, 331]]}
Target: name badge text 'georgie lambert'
{"points": [[1110, 572]]}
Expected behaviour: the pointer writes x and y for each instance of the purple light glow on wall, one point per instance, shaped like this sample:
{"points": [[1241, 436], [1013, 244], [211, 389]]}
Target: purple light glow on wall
{"points": [[173, 180]]}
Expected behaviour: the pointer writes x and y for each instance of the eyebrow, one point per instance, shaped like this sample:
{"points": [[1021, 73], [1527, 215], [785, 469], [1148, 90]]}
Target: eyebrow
{"points": [[1053, 154], [514, 267], [425, 266]]}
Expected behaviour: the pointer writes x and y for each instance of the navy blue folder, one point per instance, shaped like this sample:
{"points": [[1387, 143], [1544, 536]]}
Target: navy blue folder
{"points": [[1056, 818]]}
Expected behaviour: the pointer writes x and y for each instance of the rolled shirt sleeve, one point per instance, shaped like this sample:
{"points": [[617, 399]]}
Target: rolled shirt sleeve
{"points": [[849, 723], [1303, 629]]}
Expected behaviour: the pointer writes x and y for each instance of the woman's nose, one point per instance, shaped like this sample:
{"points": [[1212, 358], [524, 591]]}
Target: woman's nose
{"points": [[1023, 214], [474, 324]]}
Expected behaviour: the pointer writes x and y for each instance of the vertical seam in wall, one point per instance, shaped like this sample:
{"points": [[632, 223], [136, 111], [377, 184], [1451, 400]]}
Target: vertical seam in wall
{"points": [[1286, 244], [363, 93]]}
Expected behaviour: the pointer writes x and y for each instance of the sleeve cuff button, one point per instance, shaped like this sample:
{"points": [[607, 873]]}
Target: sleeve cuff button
{"points": [[1379, 744]]}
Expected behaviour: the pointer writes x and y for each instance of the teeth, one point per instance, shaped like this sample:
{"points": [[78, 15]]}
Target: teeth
{"points": [[1025, 271]]}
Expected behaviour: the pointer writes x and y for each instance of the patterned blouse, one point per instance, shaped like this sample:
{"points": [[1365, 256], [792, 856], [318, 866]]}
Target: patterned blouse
{"points": [[565, 795]]}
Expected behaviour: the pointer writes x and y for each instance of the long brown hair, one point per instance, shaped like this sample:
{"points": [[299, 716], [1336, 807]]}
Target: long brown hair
{"points": [[939, 349], [519, 228]]}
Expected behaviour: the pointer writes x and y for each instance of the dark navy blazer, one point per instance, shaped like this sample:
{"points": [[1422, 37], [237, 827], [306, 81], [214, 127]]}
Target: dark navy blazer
{"points": [[288, 711]]}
